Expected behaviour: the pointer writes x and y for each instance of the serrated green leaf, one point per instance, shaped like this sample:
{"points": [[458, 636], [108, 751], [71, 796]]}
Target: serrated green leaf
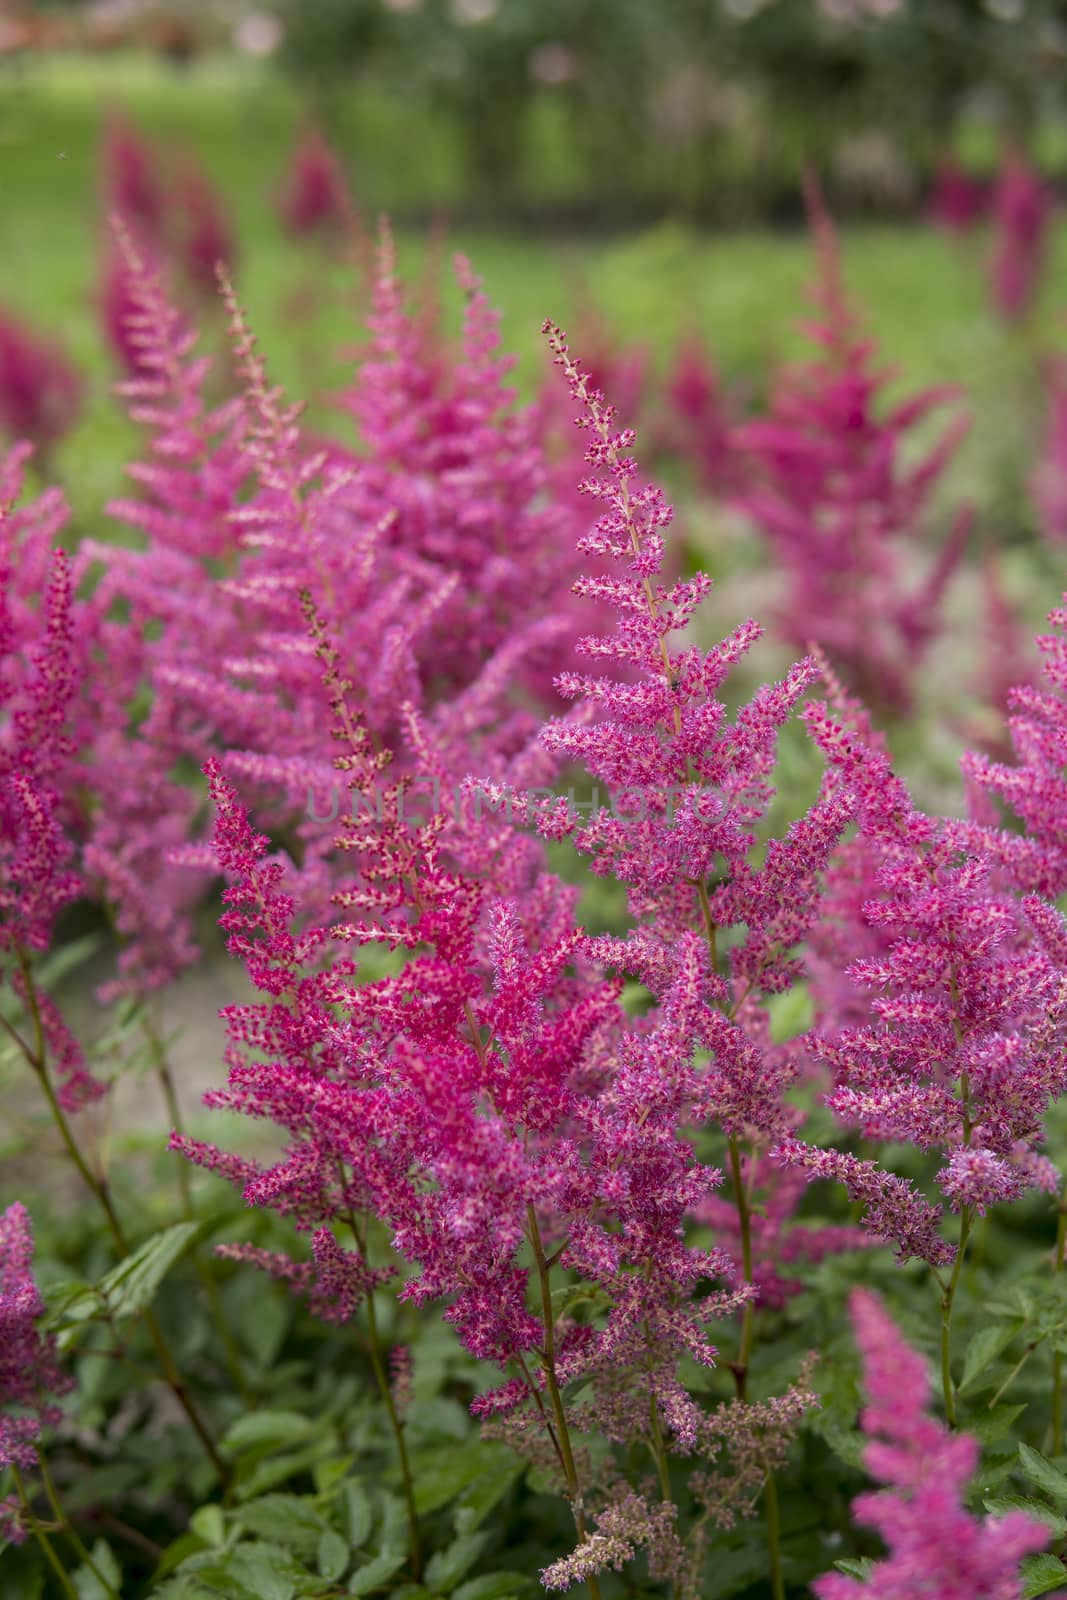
{"points": [[285, 1519], [131, 1287], [266, 1429], [209, 1525], [445, 1569], [1040, 1574], [359, 1514], [493, 1586], [999, 1506], [1041, 1471], [374, 1572], [255, 1478], [333, 1556], [860, 1567], [984, 1348], [440, 1477], [88, 1585], [186, 1545], [989, 1426], [486, 1492], [263, 1571]]}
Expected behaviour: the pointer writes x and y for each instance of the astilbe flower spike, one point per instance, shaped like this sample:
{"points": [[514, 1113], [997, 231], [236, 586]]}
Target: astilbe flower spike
{"points": [[316, 197], [831, 490], [40, 388], [1032, 786], [936, 1547], [1048, 480], [1022, 213], [31, 1380], [963, 1049], [958, 200]]}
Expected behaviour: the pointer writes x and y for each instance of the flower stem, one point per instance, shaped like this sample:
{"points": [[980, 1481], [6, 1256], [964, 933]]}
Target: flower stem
{"points": [[203, 1272], [69, 1528], [744, 1218], [549, 1362], [396, 1421], [774, 1536], [42, 1538], [1057, 1359], [947, 1299], [98, 1187]]}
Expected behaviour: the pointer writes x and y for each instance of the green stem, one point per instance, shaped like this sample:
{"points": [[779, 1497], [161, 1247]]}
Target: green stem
{"points": [[744, 1218], [98, 1187], [203, 1272], [774, 1536], [1057, 1359], [396, 1421], [1013, 1374], [69, 1528], [42, 1538], [548, 1319], [947, 1299]]}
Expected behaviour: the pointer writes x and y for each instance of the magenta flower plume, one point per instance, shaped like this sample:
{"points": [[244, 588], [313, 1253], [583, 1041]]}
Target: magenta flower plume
{"points": [[935, 1545], [30, 1377], [958, 200], [316, 197], [1033, 786], [205, 239], [963, 1049], [133, 185], [40, 389], [838, 502], [1022, 214], [1048, 481]]}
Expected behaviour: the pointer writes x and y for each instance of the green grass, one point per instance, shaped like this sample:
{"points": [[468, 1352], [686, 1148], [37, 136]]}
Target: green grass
{"points": [[925, 299]]}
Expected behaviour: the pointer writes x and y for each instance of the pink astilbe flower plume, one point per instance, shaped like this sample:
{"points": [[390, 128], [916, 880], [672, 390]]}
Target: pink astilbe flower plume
{"points": [[1048, 480], [833, 493], [958, 200], [40, 388], [1022, 213], [30, 1376], [936, 1547], [1032, 786], [962, 1050], [315, 198]]}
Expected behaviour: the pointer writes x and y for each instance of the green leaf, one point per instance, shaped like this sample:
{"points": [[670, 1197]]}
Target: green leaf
{"points": [[266, 1430], [447, 1567], [333, 1556], [256, 1477], [861, 1567], [87, 1583], [493, 1586], [368, 1577], [131, 1286], [186, 1545], [359, 1514], [1041, 1471], [286, 1519], [999, 1506], [989, 1426], [440, 1477], [209, 1525], [486, 1492], [986, 1345], [1040, 1574], [791, 1013], [262, 1570]]}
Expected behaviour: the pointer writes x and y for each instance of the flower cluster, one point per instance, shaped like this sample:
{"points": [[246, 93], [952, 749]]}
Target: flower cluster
{"points": [[836, 492], [936, 1546]]}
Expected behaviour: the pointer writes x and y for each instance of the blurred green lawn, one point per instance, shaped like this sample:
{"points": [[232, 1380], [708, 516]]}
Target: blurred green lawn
{"points": [[924, 296]]}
